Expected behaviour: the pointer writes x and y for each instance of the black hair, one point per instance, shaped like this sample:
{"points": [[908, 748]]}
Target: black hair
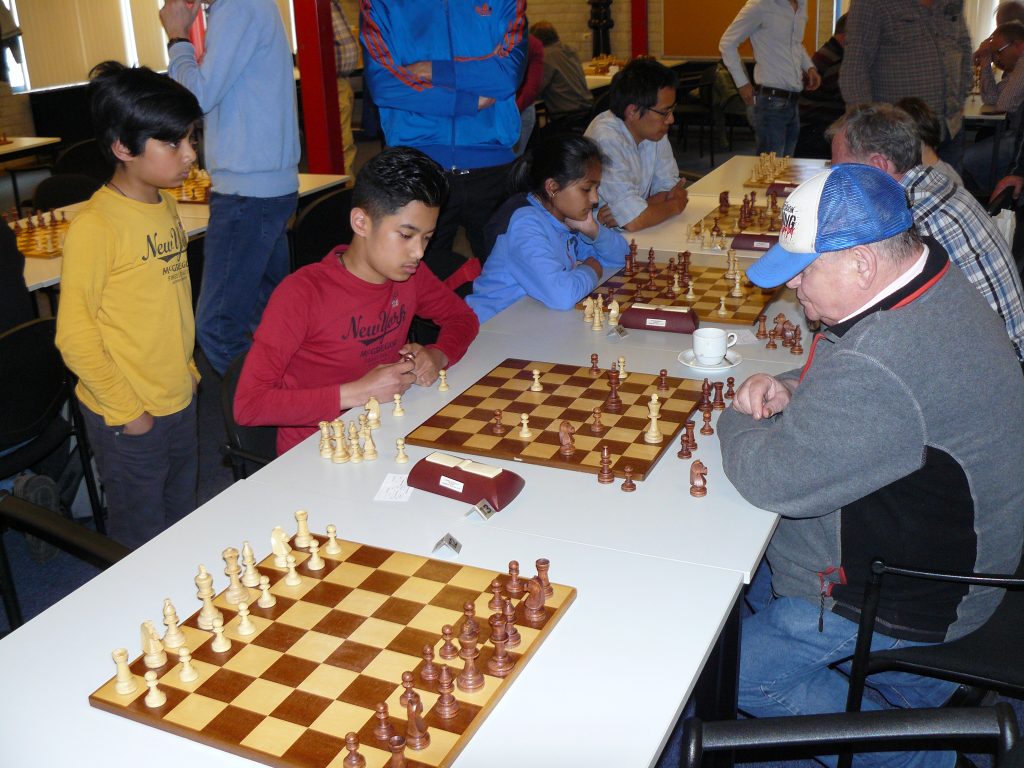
{"points": [[134, 104], [638, 83], [929, 129], [545, 32], [396, 177], [564, 158]]}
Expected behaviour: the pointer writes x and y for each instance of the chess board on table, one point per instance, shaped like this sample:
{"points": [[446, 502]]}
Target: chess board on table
{"points": [[326, 654], [760, 234], [570, 393], [709, 285], [195, 189], [783, 172], [41, 236]]}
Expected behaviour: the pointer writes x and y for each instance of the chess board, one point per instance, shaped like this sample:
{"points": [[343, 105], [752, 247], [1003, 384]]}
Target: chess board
{"points": [[195, 189], [570, 393], [755, 236], [709, 285], [41, 236], [326, 654], [791, 174]]}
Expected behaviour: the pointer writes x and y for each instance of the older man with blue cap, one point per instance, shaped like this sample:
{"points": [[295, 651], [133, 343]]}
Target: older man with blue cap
{"points": [[873, 449]]}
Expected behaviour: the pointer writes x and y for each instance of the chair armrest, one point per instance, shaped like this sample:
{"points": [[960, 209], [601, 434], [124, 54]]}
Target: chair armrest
{"points": [[58, 530], [836, 733]]}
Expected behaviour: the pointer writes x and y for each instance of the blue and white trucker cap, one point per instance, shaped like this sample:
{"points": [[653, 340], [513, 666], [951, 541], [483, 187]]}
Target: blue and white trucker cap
{"points": [[847, 205]]}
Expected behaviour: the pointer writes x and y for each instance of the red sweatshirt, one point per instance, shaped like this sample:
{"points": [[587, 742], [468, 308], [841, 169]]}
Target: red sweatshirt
{"points": [[324, 327]]}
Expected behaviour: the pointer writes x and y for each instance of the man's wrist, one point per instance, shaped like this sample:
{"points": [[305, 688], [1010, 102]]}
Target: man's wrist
{"points": [[175, 39]]}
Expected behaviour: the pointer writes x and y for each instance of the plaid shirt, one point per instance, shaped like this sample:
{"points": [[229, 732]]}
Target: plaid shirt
{"points": [[898, 48], [949, 214], [346, 49]]}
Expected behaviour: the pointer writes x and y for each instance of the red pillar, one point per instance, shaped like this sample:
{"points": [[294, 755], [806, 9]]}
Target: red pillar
{"points": [[321, 123], [638, 24]]}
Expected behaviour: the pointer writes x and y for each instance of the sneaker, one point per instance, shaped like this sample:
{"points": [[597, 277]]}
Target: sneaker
{"points": [[42, 491]]}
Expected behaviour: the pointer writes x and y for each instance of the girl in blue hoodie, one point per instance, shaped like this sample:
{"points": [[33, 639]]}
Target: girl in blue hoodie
{"points": [[547, 243]]}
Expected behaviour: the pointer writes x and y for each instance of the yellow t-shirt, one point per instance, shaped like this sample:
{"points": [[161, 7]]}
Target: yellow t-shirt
{"points": [[125, 324]]}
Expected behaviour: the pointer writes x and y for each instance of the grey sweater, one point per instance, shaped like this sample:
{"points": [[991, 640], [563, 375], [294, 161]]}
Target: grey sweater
{"points": [[903, 440]]}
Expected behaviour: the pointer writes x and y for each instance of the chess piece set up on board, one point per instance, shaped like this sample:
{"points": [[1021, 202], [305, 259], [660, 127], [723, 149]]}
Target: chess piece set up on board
{"points": [[768, 168], [356, 444], [785, 333], [504, 635], [195, 188], [41, 234]]}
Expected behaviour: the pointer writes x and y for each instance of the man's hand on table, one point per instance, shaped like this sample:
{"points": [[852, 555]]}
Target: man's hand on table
{"points": [[762, 396]]}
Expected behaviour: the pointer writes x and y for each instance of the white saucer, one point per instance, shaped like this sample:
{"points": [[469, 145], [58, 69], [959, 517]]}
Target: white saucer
{"points": [[732, 359]]}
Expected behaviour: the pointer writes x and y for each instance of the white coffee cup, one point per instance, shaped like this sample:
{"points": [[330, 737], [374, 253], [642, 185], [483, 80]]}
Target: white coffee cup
{"points": [[711, 344]]}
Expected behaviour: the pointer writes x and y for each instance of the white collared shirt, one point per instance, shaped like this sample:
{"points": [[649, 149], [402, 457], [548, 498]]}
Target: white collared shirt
{"points": [[776, 32]]}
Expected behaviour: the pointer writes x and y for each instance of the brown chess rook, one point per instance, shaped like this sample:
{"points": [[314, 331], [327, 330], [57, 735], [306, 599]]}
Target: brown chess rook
{"points": [[543, 567], [719, 403]]}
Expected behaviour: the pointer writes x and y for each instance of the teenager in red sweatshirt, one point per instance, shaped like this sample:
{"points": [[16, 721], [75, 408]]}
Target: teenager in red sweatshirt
{"points": [[334, 333]]}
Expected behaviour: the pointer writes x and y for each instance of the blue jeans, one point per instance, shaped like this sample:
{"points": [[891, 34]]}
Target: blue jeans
{"points": [[784, 670], [246, 255], [978, 160], [151, 479], [776, 122]]}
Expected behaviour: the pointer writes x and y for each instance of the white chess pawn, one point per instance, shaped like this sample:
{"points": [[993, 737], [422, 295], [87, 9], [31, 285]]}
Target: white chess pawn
{"points": [[525, 431], [536, 386], [402, 457], [721, 307], [315, 561], [245, 626], [333, 547], [443, 375], [155, 697], [622, 369], [221, 642], [292, 579], [267, 599], [186, 672], [369, 447], [399, 411]]}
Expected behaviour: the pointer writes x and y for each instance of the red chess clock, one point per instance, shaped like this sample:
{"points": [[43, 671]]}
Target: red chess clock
{"points": [[466, 480]]}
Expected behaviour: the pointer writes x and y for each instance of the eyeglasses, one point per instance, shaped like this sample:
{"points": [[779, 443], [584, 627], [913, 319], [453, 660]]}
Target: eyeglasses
{"points": [[665, 114], [1000, 50]]}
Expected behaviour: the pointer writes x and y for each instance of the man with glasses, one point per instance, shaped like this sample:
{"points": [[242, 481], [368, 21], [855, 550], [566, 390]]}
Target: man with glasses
{"points": [[1002, 51], [640, 184], [775, 28]]}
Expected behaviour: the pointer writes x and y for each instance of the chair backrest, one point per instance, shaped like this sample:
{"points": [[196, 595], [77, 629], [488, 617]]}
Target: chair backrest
{"points": [[323, 225], [33, 381], [64, 189], [84, 157], [257, 441]]}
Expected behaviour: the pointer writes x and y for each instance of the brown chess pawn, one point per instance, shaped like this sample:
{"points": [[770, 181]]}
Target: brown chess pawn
{"points": [[730, 392], [719, 403], [596, 427], [495, 602], [684, 448], [594, 369], [407, 683], [448, 649], [429, 669], [383, 730], [663, 380], [771, 340], [497, 428], [706, 429], [513, 585], [628, 485], [796, 349], [353, 759]]}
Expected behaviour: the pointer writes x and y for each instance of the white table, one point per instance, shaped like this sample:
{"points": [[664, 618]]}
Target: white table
{"points": [[604, 689], [43, 273], [732, 174]]}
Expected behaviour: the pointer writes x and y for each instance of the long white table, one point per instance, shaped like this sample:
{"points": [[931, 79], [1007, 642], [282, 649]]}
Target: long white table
{"points": [[604, 689], [43, 273]]}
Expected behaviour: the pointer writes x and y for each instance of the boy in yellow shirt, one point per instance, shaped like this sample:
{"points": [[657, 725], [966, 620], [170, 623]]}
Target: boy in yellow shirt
{"points": [[125, 325]]}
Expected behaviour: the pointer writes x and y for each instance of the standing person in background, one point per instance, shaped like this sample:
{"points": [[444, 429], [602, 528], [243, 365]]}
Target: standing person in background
{"points": [[822, 107], [246, 88], [528, 92], [783, 69], [899, 48], [444, 74], [346, 56]]}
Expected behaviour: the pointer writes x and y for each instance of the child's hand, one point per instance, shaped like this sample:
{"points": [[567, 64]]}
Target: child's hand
{"points": [[383, 382], [587, 226], [427, 360], [140, 425]]}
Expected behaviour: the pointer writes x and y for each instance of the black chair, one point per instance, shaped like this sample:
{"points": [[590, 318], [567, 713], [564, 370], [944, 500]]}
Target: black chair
{"points": [[34, 388], [320, 227], [697, 111], [983, 729], [84, 157], [988, 658], [85, 544], [246, 445], [64, 189]]}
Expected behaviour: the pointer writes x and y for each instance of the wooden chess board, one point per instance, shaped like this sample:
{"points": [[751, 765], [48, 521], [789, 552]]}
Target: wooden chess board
{"points": [[755, 236], [709, 285], [792, 174], [44, 239], [326, 654], [195, 189], [570, 393]]}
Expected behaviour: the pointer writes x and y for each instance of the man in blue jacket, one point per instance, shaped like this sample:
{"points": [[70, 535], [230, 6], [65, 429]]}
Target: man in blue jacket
{"points": [[246, 88], [444, 74]]}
